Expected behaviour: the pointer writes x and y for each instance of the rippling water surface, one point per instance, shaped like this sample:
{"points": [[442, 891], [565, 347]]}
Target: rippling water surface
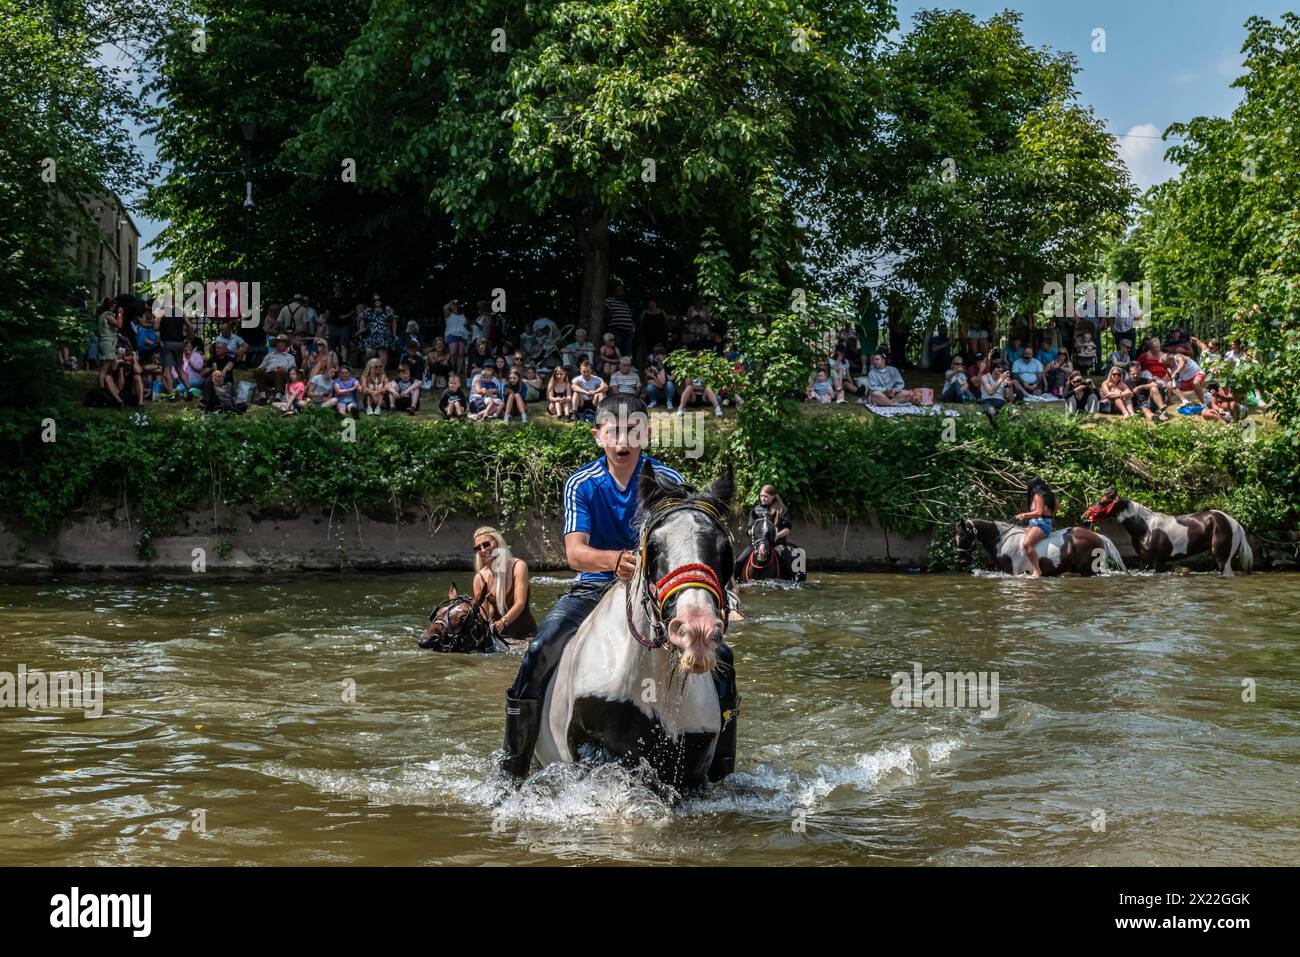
{"points": [[1121, 735]]}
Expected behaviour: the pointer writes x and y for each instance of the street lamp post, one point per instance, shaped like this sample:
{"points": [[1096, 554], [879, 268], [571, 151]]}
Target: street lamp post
{"points": [[249, 132]]}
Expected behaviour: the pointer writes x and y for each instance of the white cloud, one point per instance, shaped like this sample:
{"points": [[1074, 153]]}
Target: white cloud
{"points": [[1143, 152]]}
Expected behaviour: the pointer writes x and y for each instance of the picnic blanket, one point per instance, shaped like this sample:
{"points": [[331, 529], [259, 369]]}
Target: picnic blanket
{"points": [[888, 411]]}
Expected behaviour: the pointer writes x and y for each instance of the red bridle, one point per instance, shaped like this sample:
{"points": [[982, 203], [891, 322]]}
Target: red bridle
{"points": [[694, 575], [1094, 513]]}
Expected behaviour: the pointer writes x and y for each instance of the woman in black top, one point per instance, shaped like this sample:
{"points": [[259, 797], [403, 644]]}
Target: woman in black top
{"points": [[771, 506]]}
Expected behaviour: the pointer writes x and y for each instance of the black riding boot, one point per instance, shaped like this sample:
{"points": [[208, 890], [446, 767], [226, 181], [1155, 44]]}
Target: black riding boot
{"points": [[523, 723], [724, 754]]}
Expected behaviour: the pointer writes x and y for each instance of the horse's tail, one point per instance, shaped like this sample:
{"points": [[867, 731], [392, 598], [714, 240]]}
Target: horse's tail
{"points": [[1112, 553], [1241, 548]]}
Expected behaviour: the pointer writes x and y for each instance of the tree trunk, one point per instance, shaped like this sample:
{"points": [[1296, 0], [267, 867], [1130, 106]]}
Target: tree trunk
{"points": [[593, 238]]}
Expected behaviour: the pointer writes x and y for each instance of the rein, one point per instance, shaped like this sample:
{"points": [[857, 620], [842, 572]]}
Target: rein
{"points": [[691, 575], [475, 624]]}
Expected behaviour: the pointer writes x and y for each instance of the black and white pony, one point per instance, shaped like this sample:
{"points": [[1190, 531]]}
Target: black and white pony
{"points": [[1075, 549], [637, 680], [767, 560], [1159, 538], [458, 625]]}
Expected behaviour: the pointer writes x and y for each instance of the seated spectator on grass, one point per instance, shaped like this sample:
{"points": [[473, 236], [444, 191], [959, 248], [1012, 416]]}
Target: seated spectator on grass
{"points": [[346, 390], [1015, 347], [577, 350], [219, 395], [884, 384], [436, 365], [1116, 398], [1150, 359], [1121, 356], [1148, 396], [1220, 404], [273, 374], [516, 395], [821, 388], [190, 372], [625, 380], [235, 345], [413, 358], [376, 389], [842, 372], [295, 394], [956, 384], [608, 355], [559, 394], [1236, 353], [1028, 373], [978, 366], [1057, 373], [588, 389], [698, 393], [223, 359], [320, 388], [485, 398], [848, 344], [1186, 374], [659, 385], [452, 403], [698, 325], [479, 355], [995, 388], [406, 390], [532, 383], [1079, 393]]}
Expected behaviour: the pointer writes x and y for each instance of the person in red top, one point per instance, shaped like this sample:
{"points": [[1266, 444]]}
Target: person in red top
{"points": [[1150, 360]]}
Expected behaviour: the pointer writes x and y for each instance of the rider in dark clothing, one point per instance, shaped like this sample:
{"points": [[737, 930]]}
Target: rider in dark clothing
{"points": [[600, 502], [770, 506]]}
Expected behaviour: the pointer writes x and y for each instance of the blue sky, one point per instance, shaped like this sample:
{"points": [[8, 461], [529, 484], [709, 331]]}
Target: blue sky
{"points": [[1165, 61]]}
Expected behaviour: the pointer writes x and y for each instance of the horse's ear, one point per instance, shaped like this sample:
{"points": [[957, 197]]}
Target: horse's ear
{"points": [[724, 489], [652, 486], [451, 592]]}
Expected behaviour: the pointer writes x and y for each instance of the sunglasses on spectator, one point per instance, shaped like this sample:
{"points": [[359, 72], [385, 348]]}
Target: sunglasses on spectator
{"points": [[484, 546]]}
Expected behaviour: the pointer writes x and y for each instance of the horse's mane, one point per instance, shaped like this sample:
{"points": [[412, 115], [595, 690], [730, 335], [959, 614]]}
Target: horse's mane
{"points": [[681, 494]]}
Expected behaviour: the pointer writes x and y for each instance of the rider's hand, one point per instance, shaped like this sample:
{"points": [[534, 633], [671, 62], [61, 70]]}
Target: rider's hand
{"points": [[626, 565]]}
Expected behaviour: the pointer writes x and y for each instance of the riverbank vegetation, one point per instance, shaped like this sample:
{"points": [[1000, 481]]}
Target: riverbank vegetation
{"points": [[911, 475]]}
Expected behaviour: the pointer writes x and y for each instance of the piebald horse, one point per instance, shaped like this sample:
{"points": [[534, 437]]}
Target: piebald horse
{"points": [[636, 682], [1074, 549], [1159, 538]]}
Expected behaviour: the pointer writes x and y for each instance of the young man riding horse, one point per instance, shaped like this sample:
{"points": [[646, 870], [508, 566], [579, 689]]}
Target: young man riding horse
{"points": [[600, 543]]}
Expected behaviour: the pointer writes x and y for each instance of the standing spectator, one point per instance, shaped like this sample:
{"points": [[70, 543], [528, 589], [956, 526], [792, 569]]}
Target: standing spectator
{"points": [[624, 380], [484, 323], [884, 384], [378, 330], [618, 320], [559, 395], [456, 333], [654, 325], [340, 311], [939, 349], [173, 331], [1028, 372], [588, 389], [273, 374], [298, 316], [107, 326], [1125, 314]]}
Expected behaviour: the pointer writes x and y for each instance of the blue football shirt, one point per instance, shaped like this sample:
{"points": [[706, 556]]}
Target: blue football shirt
{"points": [[593, 503]]}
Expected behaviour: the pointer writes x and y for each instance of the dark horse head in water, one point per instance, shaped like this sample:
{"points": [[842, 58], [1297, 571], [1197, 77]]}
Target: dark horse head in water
{"points": [[640, 679], [458, 626], [764, 561], [1068, 550], [1159, 538]]}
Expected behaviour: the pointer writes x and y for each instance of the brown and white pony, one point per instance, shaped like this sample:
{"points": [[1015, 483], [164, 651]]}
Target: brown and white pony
{"points": [[1158, 538], [1076, 550]]}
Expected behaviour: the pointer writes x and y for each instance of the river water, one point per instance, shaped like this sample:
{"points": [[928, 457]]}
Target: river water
{"points": [[1120, 736]]}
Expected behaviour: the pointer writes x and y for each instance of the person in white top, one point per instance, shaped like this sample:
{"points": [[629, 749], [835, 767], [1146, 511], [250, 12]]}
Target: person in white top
{"points": [[588, 388], [1125, 314], [456, 334], [625, 380]]}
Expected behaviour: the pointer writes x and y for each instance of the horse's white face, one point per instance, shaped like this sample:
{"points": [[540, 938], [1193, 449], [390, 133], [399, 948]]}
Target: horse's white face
{"points": [[695, 628]]}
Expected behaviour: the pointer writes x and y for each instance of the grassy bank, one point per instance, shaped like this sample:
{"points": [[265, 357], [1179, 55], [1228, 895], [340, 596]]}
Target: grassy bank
{"points": [[837, 463]]}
